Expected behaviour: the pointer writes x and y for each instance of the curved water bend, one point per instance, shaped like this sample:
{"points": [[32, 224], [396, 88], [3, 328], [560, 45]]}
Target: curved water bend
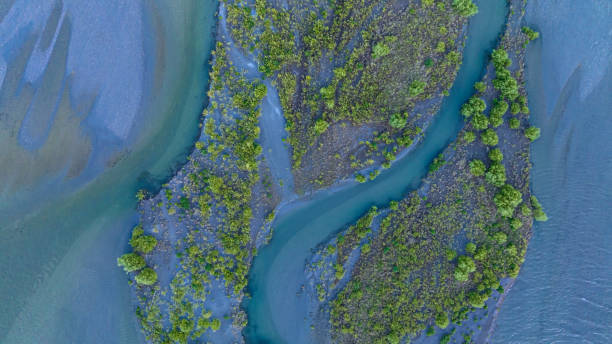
{"points": [[276, 313]]}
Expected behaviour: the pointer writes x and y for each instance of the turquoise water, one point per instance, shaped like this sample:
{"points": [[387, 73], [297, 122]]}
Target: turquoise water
{"points": [[564, 291], [97, 99], [276, 311]]}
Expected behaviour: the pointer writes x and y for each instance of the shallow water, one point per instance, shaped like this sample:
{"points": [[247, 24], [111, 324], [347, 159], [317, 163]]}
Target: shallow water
{"points": [[563, 293], [97, 99], [277, 311]]}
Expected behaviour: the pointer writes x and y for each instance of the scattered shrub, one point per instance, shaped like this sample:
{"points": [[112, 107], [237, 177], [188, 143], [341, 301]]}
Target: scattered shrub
{"points": [[489, 137], [131, 262], [507, 199], [477, 168], [147, 276], [532, 133]]}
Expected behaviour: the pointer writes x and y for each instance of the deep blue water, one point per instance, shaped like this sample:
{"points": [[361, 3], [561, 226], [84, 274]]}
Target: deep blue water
{"points": [[276, 313], [563, 293]]}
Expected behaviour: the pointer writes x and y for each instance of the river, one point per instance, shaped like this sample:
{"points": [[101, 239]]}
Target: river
{"points": [[97, 100], [563, 293], [276, 313]]}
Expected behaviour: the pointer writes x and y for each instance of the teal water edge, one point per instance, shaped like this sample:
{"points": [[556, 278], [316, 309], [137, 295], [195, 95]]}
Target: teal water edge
{"points": [[97, 100], [276, 310], [564, 291]]}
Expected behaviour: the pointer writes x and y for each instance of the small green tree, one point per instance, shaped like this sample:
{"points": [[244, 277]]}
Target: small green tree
{"points": [[480, 121], [397, 121], [469, 136], [473, 106], [321, 126], [496, 155], [465, 8], [531, 34], [416, 87], [507, 199], [380, 50], [147, 276], [470, 248], [480, 86], [500, 237], [131, 262], [496, 175], [477, 168], [515, 108], [143, 243], [465, 266], [538, 211], [514, 123], [442, 320], [140, 242], [532, 133], [489, 137]]}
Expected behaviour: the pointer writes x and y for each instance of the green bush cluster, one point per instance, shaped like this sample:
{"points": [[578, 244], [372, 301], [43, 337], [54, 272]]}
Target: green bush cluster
{"points": [[465, 8], [134, 262], [507, 199], [473, 106]]}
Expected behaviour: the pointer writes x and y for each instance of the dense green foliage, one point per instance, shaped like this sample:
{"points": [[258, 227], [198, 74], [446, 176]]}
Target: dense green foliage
{"points": [[465, 7], [530, 33], [131, 262], [147, 276], [532, 133], [142, 243], [496, 155], [473, 106], [496, 174], [538, 211], [507, 199], [489, 137], [477, 167]]}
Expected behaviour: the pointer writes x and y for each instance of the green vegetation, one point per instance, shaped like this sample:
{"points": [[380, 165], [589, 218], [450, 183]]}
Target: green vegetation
{"points": [[438, 256], [397, 121], [480, 86], [142, 243], [531, 34], [385, 59], [416, 87], [147, 276], [473, 106], [477, 167], [496, 155], [532, 133], [465, 8], [538, 211], [496, 174], [131, 262], [507, 199], [489, 137], [514, 123], [469, 136], [497, 112], [465, 266], [480, 121]]}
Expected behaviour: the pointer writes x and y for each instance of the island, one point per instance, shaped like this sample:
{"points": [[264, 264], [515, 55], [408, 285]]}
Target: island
{"points": [[313, 98]]}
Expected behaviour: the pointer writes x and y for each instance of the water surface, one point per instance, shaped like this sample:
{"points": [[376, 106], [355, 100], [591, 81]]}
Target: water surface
{"points": [[564, 291], [97, 99]]}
